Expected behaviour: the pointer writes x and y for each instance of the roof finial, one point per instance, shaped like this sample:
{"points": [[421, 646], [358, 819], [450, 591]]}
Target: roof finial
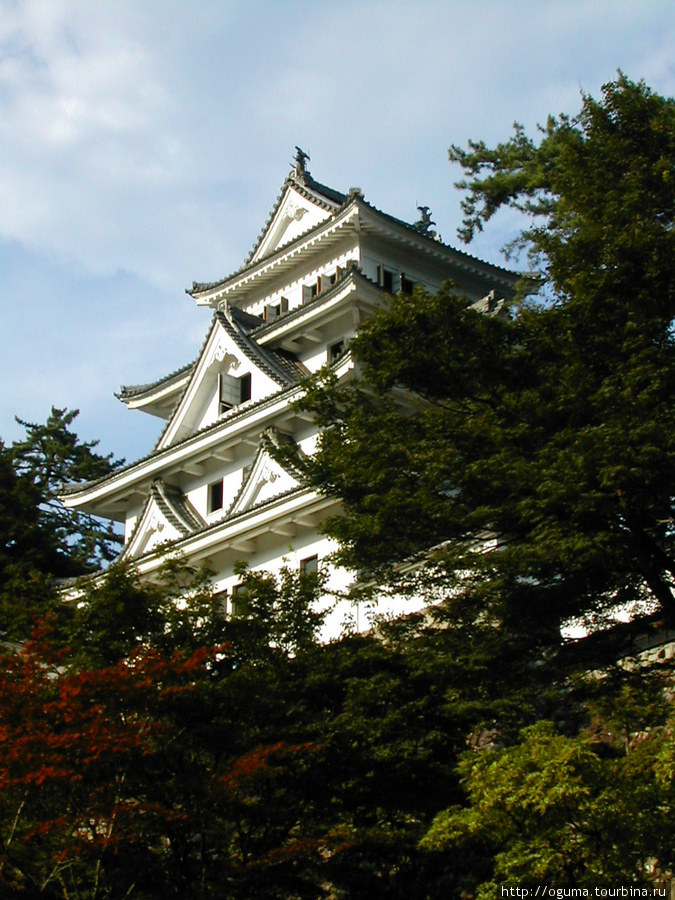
{"points": [[424, 223], [301, 159]]}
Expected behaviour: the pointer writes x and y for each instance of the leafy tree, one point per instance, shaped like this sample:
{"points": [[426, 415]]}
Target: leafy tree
{"points": [[549, 430], [52, 455], [27, 552], [80, 749], [229, 757], [40, 540], [566, 810]]}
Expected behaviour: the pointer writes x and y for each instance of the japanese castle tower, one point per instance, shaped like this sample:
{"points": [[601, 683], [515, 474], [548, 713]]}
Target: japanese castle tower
{"points": [[211, 490]]}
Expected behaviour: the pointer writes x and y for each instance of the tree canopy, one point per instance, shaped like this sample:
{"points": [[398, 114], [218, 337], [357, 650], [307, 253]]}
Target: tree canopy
{"points": [[40, 540], [548, 430], [153, 747]]}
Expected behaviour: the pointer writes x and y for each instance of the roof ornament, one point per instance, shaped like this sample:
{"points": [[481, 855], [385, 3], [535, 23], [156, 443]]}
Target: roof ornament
{"points": [[301, 159], [424, 223]]}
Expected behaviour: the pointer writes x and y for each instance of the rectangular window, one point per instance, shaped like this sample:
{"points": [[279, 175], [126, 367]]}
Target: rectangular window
{"points": [[216, 496], [407, 285], [221, 598], [310, 291], [385, 278], [337, 275], [225, 398], [336, 350], [228, 392], [245, 388], [272, 311], [238, 592], [309, 566]]}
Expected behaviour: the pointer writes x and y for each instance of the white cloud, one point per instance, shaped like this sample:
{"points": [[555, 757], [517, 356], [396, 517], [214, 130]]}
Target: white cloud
{"points": [[152, 137]]}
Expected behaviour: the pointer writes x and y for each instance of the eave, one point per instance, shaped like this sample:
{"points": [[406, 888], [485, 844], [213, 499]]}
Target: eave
{"points": [[354, 288], [261, 272], [299, 507], [375, 223], [356, 217], [159, 397], [105, 497]]}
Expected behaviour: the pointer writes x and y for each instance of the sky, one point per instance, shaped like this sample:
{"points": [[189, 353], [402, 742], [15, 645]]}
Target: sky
{"points": [[143, 144]]}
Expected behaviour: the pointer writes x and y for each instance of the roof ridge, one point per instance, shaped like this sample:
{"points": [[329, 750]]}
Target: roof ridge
{"points": [[269, 439], [330, 199], [267, 360]]}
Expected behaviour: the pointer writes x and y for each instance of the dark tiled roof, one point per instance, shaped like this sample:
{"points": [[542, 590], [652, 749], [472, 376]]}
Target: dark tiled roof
{"points": [[308, 188], [271, 439], [469, 260], [128, 392], [184, 517], [226, 521], [464, 259], [177, 508], [235, 413], [279, 365], [352, 272]]}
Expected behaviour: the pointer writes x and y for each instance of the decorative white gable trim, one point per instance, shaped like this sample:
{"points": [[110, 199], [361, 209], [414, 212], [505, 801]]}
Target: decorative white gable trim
{"points": [[265, 478], [167, 516], [227, 352], [295, 215]]}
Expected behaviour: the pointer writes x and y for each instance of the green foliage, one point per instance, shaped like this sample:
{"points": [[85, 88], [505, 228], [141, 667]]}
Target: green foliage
{"points": [[28, 552], [549, 430], [264, 764], [50, 456], [168, 750], [40, 540], [565, 810], [272, 615]]}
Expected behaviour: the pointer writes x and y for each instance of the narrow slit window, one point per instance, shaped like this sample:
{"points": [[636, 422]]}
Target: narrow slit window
{"points": [[385, 278], [407, 285], [221, 597], [225, 399], [216, 496], [238, 593], [245, 388]]}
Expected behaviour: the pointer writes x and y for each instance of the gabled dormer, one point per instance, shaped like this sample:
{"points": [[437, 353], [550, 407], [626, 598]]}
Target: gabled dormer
{"points": [[265, 478], [231, 372], [167, 516], [302, 204]]}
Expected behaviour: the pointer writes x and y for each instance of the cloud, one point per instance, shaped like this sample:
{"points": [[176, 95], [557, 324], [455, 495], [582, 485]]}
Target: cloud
{"points": [[142, 146]]}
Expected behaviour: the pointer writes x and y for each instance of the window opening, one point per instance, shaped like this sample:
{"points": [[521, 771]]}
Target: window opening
{"points": [[225, 399], [337, 275], [385, 278], [221, 598], [407, 285], [310, 291], [310, 565], [245, 388], [336, 350], [238, 592], [216, 496]]}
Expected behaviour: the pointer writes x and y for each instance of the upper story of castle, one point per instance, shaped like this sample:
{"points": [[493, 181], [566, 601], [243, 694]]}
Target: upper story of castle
{"points": [[322, 264]]}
